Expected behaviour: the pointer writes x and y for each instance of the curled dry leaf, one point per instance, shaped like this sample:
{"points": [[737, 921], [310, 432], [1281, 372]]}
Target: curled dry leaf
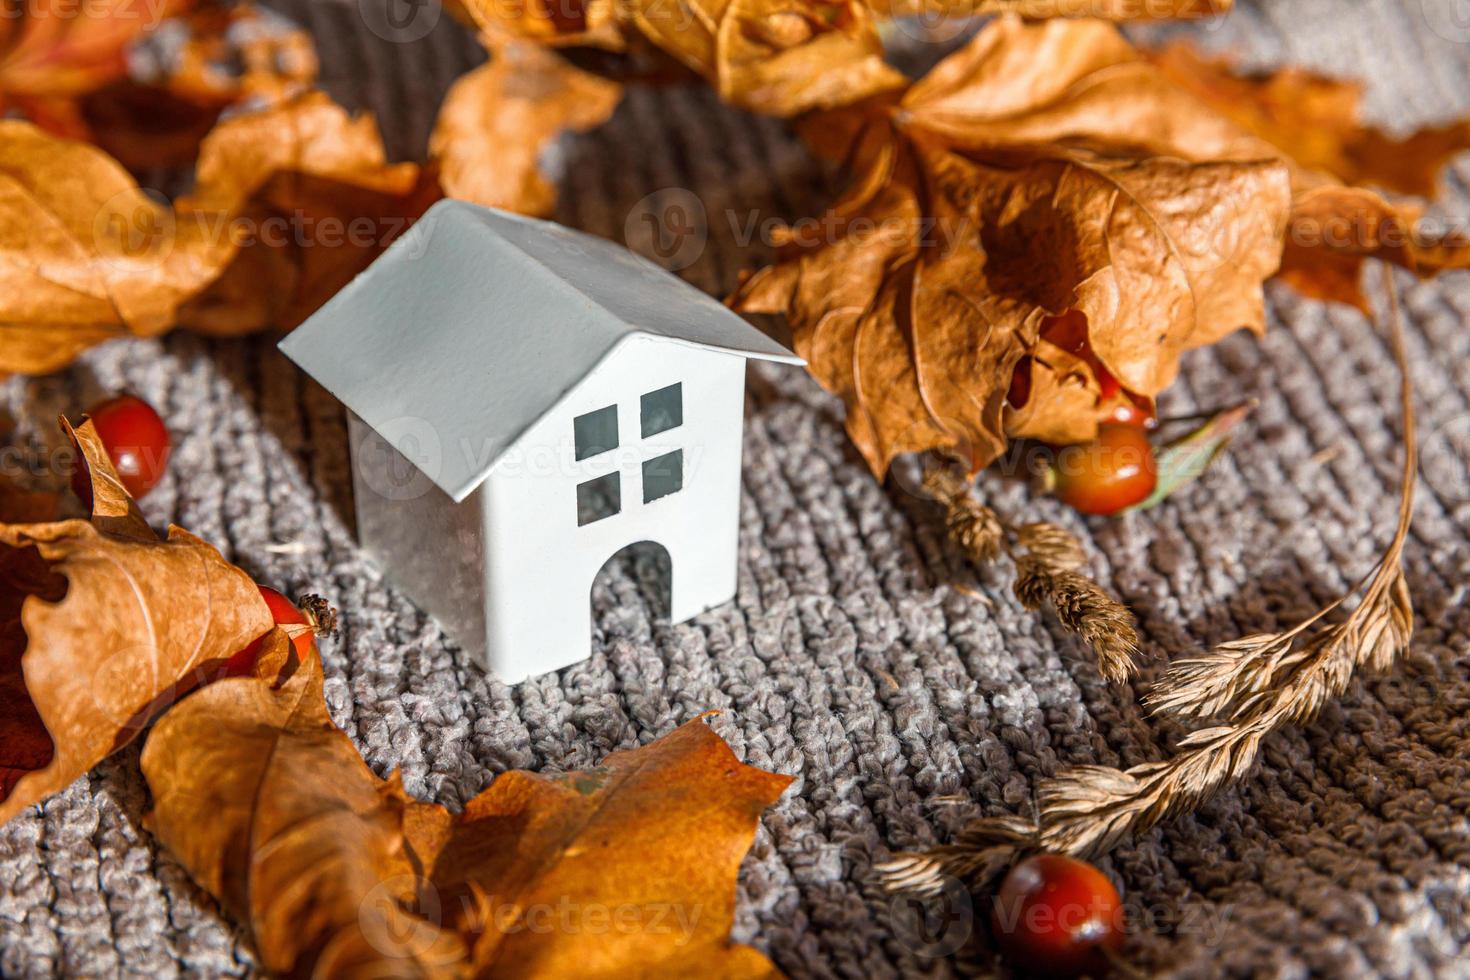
{"points": [[290, 203], [1040, 177], [497, 120], [85, 254], [101, 623], [272, 810], [336, 872], [1314, 122]]}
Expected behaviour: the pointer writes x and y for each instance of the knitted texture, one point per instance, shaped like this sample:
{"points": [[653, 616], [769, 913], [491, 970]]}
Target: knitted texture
{"points": [[905, 691]]}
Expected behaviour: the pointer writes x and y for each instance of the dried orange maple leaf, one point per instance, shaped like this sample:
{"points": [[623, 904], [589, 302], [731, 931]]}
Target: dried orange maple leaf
{"points": [[101, 623], [1313, 121], [497, 120], [86, 255], [1039, 175], [627, 869]]}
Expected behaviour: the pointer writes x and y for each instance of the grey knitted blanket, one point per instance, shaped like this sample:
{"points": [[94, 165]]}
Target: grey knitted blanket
{"points": [[905, 691]]}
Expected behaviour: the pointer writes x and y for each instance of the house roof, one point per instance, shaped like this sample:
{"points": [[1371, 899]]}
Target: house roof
{"points": [[476, 322]]}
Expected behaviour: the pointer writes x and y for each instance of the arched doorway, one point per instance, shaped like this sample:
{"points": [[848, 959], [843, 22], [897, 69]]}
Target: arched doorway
{"points": [[631, 591]]}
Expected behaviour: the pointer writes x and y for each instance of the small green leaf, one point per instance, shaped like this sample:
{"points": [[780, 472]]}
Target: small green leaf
{"points": [[1182, 461]]}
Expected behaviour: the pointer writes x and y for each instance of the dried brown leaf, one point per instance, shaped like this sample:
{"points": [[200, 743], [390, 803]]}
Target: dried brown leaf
{"points": [[86, 255], [1334, 229], [335, 872], [1314, 122], [101, 624], [1040, 173], [497, 120], [272, 810]]}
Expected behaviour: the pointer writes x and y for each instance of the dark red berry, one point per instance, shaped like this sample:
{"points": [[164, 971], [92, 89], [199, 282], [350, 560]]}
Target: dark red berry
{"points": [[1118, 404], [136, 440], [1114, 471], [1057, 916], [284, 612]]}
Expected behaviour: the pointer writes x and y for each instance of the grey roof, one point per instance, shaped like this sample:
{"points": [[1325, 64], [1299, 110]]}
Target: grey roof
{"points": [[476, 322]]}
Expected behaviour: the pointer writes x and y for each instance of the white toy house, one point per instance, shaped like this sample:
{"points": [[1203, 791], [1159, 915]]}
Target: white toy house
{"points": [[524, 402]]}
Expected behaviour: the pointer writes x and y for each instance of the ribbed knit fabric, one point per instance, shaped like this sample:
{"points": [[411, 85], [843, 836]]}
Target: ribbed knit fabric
{"points": [[904, 690]]}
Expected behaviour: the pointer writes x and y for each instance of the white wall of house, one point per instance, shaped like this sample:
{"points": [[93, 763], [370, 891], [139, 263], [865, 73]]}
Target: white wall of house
{"points": [[540, 563]]}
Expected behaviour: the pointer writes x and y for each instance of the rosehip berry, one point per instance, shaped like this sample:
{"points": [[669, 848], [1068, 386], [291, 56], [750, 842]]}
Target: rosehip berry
{"points": [[136, 440], [284, 612], [1119, 403], [1057, 916], [1114, 471]]}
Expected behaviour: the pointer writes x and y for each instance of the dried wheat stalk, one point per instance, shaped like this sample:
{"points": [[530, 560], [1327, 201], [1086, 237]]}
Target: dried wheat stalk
{"points": [[1253, 686], [1084, 608], [1048, 562]]}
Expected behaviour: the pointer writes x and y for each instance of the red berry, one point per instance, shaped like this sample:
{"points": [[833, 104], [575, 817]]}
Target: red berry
{"points": [[1126, 411], [136, 440], [284, 612], [1057, 916], [1114, 471], [1118, 403]]}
